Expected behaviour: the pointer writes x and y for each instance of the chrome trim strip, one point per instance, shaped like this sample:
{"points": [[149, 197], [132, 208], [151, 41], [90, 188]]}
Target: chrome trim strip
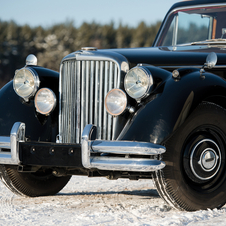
{"points": [[78, 101], [126, 164], [181, 8], [5, 142], [96, 119], [91, 91], [100, 110], [190, 66], [127, 147], [60, 107], [109, 121], [114, 118], [106, 84], [83, 94], [175, 32], [98, 55], [119, 147], [87, 98], [17, 135]]}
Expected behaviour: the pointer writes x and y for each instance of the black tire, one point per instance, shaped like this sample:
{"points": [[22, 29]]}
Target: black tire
{"points": [[40, 183], [195, 174]]}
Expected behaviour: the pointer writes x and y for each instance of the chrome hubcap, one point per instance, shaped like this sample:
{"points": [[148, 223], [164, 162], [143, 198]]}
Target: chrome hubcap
{"points": [[208, 159], [205, 159]]}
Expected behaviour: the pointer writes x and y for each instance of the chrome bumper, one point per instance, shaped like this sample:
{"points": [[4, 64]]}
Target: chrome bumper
{"points": [[9, 152], [127, 148], [17, 135]]}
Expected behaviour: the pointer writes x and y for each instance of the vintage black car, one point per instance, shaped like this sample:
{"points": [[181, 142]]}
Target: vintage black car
{"points": [[142, 113]]}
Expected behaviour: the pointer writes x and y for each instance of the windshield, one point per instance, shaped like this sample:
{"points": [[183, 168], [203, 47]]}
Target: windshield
{"points": [[194, 25]]}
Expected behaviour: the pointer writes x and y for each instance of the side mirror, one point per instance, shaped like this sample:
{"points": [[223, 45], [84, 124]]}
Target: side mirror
{"points": [[211, 60]]}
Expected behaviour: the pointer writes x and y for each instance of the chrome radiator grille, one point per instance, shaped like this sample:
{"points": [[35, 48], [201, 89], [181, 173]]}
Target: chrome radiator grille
{"points": [[83, 87]]}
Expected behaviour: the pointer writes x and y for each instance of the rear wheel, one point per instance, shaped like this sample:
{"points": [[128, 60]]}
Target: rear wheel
{"points": [[40, 183], [195, 174]]}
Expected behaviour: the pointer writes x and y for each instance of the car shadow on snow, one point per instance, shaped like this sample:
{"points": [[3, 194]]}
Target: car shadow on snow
{"points": [[146, 194]]}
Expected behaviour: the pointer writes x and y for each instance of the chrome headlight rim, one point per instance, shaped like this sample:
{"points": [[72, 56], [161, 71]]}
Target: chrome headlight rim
{"points": [[150, 80], [36, 83], [38, 109], [123, 108]]}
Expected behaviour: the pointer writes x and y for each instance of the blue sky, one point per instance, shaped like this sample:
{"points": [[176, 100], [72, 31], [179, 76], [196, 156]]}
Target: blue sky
{"points": [[49, 12]]}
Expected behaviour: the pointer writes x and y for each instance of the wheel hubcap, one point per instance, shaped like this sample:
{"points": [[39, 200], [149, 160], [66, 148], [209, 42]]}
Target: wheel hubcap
{"points": [[208, 159], [205, 159]]}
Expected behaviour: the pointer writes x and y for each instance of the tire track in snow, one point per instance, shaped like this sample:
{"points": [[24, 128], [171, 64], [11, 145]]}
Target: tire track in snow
{"points": [[123, 210], [100, 202], [8, 209]]}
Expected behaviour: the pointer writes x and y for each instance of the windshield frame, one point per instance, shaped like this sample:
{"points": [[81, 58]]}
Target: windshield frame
{"points": [[170, 16]]}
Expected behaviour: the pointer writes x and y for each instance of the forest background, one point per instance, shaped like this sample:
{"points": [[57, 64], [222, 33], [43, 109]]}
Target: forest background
{"points": [[51, 44]]}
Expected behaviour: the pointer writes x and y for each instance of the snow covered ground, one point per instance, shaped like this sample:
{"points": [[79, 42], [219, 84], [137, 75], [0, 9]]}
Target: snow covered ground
{"points": [[98, 201]]}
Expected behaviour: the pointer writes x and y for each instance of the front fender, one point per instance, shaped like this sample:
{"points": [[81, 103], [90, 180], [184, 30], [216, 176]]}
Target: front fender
{"points": [[156, 120], [15, 109]]}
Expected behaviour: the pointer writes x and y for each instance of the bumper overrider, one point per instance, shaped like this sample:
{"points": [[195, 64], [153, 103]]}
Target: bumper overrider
{"points": [[91, 154]]}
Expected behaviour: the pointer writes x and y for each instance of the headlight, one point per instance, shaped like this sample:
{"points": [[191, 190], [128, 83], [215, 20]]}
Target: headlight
{"points": [[45, 101], [25, 82], [115, 102], [138, 82]]}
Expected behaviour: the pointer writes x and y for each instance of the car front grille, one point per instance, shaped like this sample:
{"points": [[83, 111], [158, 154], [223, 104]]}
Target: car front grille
{"points": [[83, 87]]}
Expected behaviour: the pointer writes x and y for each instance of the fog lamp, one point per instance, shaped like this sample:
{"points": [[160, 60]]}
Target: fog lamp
{"points": [[116, 102], [45, 101]]}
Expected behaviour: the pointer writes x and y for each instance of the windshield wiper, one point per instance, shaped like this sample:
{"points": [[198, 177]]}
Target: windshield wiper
{"points": [[210, 41]]}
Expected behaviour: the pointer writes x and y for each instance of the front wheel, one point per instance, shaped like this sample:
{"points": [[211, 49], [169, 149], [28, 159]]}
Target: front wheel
{"points": [[40, 183], [195, 174]]}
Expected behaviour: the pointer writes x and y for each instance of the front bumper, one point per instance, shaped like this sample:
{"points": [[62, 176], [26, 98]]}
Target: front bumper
{"points": [[12, 143], [91, 154]]}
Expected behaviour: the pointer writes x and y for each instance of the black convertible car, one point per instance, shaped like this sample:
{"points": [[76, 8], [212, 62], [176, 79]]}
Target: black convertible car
{"points": [[144, 113]]}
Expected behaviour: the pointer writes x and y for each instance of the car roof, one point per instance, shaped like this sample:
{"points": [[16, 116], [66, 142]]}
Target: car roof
{"points": [[187, 3], [195, 2]]}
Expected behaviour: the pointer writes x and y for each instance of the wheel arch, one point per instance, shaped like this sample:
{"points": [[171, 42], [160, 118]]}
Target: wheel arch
{"points": [[216, 99]]}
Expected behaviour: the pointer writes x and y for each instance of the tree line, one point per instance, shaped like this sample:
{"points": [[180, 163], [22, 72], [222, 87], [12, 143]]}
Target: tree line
{"points": [[51, 44]]}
